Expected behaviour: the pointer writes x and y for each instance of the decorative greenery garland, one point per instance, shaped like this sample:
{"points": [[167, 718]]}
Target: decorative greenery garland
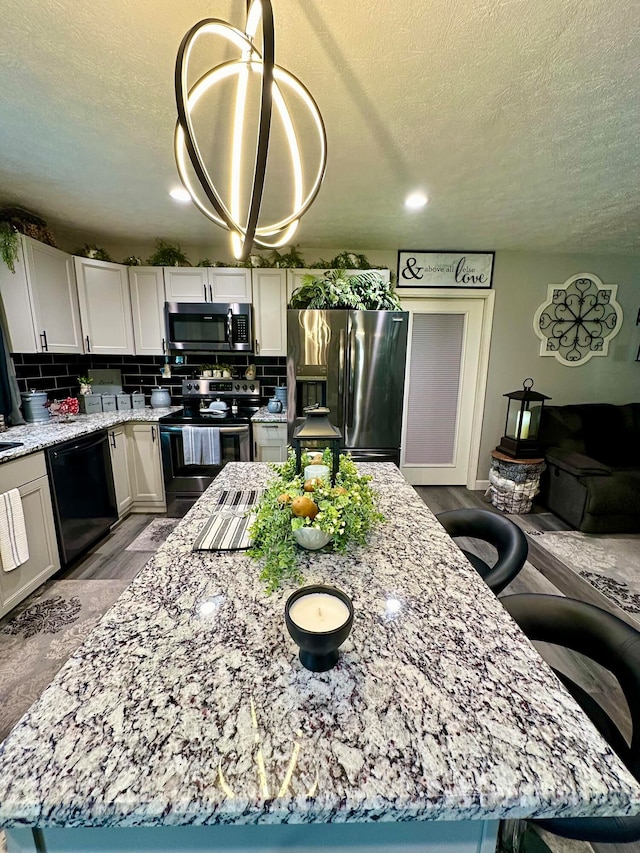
{"points": [[340, 289], [347, 511]]}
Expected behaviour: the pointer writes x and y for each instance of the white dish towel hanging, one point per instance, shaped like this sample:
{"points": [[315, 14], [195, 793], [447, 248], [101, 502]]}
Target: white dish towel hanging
{"points": [[14, 550], [201, 445]]}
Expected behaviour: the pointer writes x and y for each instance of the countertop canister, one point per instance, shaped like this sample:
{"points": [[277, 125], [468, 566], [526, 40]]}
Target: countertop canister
{"points": [[160, 397], [34, 406]]}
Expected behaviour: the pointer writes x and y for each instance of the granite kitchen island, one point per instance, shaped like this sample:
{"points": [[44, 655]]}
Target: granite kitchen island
{"points": [[186, 721]]}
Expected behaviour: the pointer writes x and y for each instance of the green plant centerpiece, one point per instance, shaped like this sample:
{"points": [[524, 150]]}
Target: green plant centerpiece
{"points": [[168, 255], [346, 511]]}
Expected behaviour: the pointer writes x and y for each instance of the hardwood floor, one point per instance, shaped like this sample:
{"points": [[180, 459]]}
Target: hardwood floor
{"points": [[545, 574]]}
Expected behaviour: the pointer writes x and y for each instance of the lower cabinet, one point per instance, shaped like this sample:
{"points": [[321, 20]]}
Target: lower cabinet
{"points": [[29, 475], [119, 449], [270, 442], [145, 468]]}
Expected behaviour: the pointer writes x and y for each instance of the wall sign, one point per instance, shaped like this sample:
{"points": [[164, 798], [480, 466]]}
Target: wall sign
{"points": [[445, 269], [578, 319]]}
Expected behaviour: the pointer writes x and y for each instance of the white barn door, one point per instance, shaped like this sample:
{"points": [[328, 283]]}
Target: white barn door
{"points": [[444, 390]]}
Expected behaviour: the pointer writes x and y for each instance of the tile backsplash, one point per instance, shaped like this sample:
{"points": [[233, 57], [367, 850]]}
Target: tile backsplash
{"points": [[57, 374]]}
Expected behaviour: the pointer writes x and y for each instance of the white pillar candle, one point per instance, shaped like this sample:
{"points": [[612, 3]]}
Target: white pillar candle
{"points": [[319, 472], [526, 421], [319, 611]]}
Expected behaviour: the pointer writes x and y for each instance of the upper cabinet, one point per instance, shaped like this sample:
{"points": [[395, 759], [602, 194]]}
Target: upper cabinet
{"points": [[270, 311], [207, 284], [147, 305], [105, 307], [41, 300]]}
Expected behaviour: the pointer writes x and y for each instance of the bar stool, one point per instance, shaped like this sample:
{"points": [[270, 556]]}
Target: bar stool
{"points": [[505, 536], [613, 644]]}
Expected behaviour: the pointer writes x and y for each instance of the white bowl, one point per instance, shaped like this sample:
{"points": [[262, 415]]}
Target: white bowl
{"points": [[311, 538]]}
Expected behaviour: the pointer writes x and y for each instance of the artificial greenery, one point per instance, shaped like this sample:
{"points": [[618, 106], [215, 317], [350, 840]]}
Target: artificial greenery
{"points": [[168, 255], [289, 260], [90, 250], [365, 290], [85, 380], [9, 244], [346, 510]]}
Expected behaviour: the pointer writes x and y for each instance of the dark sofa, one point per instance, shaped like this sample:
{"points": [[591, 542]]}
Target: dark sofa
{"points": [[592, 479]]}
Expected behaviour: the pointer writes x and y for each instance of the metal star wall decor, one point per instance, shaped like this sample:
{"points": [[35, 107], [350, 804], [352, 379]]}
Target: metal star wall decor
{"points": [[578, 319]]}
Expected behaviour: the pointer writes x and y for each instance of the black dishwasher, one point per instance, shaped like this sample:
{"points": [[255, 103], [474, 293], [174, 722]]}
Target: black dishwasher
{"points": [[84, 499]]}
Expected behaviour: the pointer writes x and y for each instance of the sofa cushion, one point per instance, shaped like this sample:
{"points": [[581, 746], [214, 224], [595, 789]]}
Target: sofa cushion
{"points": [[618, 494], [576, 463]]}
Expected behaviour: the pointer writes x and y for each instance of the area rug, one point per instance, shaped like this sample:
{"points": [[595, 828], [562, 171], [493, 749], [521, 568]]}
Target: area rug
{"points": [[153, 535], [41, 633], [610, 563]]}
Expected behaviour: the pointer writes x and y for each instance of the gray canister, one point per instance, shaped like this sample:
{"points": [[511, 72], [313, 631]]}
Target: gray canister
{"points": [[34, 406], [90, 404], [281, 395], [123, 401], [137, 401], [108, 402]]}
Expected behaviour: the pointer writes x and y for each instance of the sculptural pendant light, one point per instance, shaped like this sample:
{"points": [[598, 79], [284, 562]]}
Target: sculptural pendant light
{"points": [[279, 91]]}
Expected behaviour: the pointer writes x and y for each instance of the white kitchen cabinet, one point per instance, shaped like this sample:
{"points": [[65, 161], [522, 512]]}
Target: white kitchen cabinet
{"points": [[119, 450], [29, 475], [145, 468], [207, 284], [147, 307], [105, 307], [270, 311], [269, 442], [230, 284], [41, 300]]}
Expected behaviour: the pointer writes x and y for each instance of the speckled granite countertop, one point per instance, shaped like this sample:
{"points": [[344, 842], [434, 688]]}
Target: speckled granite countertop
{"points": [[188, 704], [40, 435], [264, 416]]}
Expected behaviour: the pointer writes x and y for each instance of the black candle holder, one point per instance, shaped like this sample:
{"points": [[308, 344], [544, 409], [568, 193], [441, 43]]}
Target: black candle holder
{"points": [[318, 649]]}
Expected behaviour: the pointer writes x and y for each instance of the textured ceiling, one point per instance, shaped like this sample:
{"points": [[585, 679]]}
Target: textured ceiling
{"points": [[519, 118]]}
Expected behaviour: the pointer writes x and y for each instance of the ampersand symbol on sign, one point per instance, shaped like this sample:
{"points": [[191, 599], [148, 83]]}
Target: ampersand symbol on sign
{"points": [[412, 270]]}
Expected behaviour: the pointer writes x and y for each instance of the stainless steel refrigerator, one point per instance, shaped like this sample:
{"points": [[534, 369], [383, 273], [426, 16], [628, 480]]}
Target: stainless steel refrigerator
{"points": [[354, 363]]}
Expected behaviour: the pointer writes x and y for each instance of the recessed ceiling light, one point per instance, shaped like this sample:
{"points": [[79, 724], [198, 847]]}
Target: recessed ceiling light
{"points": [[180, 194], [415, 201]]}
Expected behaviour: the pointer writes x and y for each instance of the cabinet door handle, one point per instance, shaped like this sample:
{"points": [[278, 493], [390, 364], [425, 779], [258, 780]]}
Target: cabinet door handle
{"points": [[257, 347], [113, 439], [153, 433], [255, 450], [164, 345], [204, 287], [43, 340], [88, 345], [210, 293]]}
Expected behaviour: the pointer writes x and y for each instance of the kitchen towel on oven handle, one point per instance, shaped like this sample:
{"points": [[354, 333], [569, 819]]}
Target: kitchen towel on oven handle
{"points": [[201, 445], [228, 528]]}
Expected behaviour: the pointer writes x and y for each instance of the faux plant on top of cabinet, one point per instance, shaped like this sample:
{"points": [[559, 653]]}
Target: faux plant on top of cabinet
{"points": [[207, 284], [295, 276], [105, 307], [41, 300]]}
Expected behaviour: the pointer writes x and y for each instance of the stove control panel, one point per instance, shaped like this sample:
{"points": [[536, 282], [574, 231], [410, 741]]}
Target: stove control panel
{"points": [[220, 387]]}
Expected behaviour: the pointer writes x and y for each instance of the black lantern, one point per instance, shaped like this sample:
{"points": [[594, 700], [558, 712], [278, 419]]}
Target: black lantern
{"points": [[317, 432], [523, 422]]}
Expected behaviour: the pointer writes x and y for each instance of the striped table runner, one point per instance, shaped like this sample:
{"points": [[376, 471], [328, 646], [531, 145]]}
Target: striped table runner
{"points": [[228, 527]]}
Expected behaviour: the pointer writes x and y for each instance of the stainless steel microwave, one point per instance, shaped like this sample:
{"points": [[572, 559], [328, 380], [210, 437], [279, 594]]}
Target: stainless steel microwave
{"points": [[210, 326]]}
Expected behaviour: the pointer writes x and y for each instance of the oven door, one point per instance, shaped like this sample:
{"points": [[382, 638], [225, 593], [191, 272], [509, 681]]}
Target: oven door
{"points": [[181, 478]]}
